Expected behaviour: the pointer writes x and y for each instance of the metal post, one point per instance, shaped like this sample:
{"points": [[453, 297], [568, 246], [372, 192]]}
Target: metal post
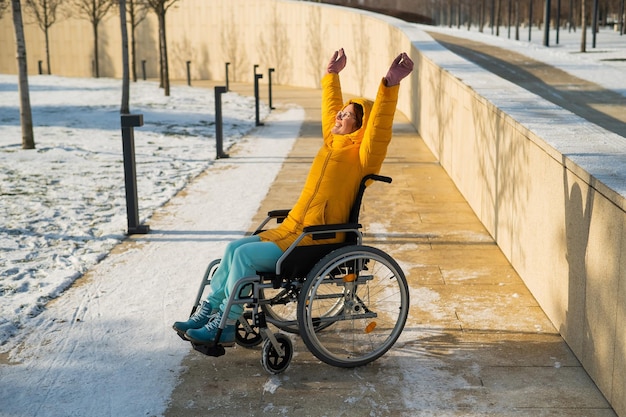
{"points": [[517, 19], [546, 23], [129, 121], [219, 134], [143, 68], [493, 11], [188, 73], [269, 80], [256, 94], [227, 86], [530, 20], [40, 68], [558, 20], [594, 24]]}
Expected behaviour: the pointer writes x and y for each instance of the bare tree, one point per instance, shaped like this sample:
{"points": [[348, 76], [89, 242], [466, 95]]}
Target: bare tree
{"points": [[125, 109], [160, 7], [232, 47], [45, 14], [94, 11], [137, 12], [275, 45], [362, 53], [316, 45], [26, 117]]}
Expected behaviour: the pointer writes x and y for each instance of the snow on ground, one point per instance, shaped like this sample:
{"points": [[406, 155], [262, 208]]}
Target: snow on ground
{"points": [[605, 64], [63, 210], [104, 346], [63, 205]]}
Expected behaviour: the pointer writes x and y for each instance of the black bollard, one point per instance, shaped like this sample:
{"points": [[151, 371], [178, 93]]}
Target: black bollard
{"points": [[219, 127], [227, 86], [143, 68], [129, 121], [40, 67], [546, 23], [256, 95], [269, 80], [188, 73]]}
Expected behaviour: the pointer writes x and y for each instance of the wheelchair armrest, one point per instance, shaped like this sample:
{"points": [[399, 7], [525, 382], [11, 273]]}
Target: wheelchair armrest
{"points": [[327, 231], [279, 215]]}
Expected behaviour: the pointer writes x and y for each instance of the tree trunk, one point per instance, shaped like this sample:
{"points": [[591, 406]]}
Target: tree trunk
{"points": [[161, 83], [26, 117], [125, 109], [133, 51], [46, 26], [95, 49], [165, 69], [47, 51]]}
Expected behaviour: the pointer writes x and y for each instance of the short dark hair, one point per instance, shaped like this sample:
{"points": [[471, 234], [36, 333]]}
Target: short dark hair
{"points": [[358, 112]]}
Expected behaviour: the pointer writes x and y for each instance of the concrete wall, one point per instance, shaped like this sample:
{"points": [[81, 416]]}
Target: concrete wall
{"points": [[547, 185]]}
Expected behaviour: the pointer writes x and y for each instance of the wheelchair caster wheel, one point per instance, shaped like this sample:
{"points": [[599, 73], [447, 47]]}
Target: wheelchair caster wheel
{"points": [[246, 334], [271, 360]]}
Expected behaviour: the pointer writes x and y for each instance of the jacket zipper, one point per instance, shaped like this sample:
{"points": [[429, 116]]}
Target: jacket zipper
{"points": [[317, 185]]}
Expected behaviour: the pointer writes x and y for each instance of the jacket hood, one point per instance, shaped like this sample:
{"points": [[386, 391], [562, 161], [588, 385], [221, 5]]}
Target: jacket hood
{"points": [[357, 136]]}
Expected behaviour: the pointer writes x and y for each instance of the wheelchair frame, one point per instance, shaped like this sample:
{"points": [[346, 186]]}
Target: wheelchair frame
{"points": [[340, 280]]}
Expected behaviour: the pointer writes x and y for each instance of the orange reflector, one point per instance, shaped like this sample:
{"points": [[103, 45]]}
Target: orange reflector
{"points": [[370, 327], [349, 278]]}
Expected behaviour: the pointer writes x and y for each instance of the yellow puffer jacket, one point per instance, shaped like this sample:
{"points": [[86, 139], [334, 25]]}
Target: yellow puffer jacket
{"points": [[333, 181]]}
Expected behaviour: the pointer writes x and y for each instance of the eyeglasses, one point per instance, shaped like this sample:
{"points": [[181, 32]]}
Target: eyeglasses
{"points": [[345, 114]]}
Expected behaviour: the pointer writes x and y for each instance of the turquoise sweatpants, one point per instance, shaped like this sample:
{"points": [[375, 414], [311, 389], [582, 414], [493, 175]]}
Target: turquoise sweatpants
{"points": [[242, 258]]}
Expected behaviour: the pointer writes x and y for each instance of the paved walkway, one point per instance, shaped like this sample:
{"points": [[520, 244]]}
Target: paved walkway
{"points": [[476, 342]]}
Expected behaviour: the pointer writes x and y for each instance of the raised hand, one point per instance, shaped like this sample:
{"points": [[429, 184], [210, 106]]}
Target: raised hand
{"points": [[337, 62], [400, 68]]}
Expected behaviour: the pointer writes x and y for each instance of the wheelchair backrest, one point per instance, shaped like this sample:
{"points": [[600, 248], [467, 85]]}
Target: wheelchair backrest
{"points": [[356, 206]]}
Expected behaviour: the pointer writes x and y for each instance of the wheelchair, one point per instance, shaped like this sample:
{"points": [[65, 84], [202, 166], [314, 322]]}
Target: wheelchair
{"points": [[347, 301]]}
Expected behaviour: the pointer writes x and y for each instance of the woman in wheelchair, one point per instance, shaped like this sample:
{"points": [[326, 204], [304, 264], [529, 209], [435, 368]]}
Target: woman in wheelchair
{"points": [[356, 135]]}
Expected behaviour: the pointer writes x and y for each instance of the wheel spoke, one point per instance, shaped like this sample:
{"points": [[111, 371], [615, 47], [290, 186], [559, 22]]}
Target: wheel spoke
{"points": [[373, 309]]}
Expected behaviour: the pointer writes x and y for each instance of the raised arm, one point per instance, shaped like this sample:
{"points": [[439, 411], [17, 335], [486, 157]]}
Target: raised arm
{"points": [[378, 133], [332, 98], [400, 68]]}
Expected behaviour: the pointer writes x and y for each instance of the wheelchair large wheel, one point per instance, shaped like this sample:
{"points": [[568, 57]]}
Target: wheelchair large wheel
{"points": [[373, 294]]}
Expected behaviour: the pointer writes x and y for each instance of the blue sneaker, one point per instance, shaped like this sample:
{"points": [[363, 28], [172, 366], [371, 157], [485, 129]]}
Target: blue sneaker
{"points": [[206, 335], [199, 318]]}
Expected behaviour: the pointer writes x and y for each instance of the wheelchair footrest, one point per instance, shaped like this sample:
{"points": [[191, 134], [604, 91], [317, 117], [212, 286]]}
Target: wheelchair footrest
{"points": [[210, 350]]}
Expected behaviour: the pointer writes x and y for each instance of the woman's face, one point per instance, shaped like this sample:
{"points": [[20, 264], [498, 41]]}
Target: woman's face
{"points": [[345, 121]]}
